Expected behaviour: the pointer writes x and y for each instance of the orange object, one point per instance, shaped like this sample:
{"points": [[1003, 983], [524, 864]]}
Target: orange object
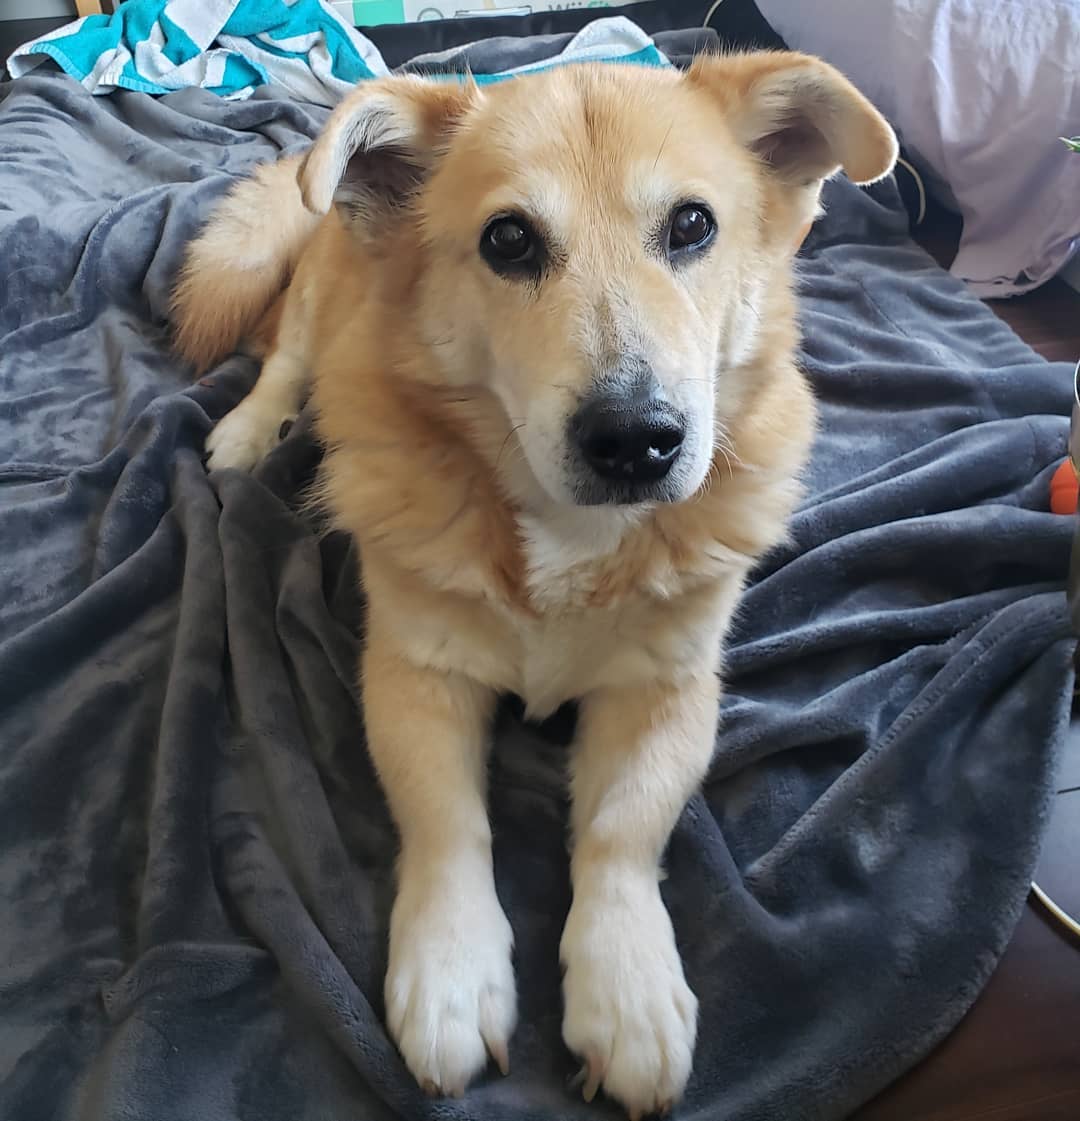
{"points": [[1064, 489]]}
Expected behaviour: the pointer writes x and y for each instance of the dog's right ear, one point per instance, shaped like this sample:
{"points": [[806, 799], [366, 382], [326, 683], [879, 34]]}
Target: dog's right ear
{"points": [[801, 117], [379, 144]]}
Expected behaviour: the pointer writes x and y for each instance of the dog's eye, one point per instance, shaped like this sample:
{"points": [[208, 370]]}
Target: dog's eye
{"points": [[508, 241], [691, 227], [509, 245]]}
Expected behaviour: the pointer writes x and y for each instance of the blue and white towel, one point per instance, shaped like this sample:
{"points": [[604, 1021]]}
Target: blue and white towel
{"points": [[226, 46], [230, 47]]}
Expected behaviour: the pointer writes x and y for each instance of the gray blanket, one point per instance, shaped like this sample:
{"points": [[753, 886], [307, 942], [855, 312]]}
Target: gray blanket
{"points": [[195, 859]]}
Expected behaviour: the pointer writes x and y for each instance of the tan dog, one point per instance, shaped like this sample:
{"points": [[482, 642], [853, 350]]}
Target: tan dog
{"points": [[549, 333]]}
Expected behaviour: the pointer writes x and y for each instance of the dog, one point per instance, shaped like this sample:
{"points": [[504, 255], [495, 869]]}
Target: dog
{"points": [[549, 334]]}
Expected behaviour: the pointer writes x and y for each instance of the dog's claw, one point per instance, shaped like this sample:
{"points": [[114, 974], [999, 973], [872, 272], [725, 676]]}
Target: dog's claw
{"points": [[430, 1088], [497, 1050], [592, 1074]]}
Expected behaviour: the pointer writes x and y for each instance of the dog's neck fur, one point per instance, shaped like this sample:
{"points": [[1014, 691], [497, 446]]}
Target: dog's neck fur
{"points": [[454, 526]]}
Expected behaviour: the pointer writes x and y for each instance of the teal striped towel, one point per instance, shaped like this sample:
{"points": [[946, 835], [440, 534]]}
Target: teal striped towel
{"points": [[226, 46], [230, 47]]}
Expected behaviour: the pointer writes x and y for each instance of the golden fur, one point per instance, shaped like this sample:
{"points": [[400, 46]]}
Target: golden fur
{"points": [[442, 392]]}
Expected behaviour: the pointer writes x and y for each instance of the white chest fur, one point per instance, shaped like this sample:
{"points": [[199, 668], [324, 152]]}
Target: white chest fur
{"points": [[565, 647], [562, 546], [569, 647]]}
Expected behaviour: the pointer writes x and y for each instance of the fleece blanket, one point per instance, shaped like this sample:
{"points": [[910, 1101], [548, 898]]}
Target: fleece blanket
{"points": [[196, 861]]}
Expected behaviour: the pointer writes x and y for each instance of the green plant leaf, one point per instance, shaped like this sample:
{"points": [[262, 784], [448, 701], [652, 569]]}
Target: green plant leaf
{"points": [[1072, 144]]}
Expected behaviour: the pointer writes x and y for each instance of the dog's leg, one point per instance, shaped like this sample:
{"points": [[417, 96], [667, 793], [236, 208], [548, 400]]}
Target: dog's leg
{"points": [[450, 996], [254, 427], [629, 1013]]}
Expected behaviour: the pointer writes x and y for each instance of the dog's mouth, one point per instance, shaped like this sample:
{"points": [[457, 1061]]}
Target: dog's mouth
{"points": [[601, 492]]}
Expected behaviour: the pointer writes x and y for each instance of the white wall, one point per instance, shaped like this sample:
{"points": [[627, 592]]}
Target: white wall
{"points": [[35, 9]]}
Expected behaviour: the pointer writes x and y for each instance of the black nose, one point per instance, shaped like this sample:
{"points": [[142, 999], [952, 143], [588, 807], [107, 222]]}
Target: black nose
{"points": [[631, 440]]}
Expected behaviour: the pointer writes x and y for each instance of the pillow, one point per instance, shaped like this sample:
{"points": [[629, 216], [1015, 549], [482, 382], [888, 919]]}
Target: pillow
{"points": [[980, 92]]}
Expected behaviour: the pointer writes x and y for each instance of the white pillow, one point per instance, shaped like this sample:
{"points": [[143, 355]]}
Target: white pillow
{"points": [[980, 92]]}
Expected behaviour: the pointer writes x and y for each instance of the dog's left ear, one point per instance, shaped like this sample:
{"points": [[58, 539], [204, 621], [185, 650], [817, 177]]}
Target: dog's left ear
{"points": [[801, 116], [379, 145]]}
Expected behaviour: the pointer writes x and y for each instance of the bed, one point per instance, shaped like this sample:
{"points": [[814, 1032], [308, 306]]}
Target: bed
{"points": [[195, 857]]}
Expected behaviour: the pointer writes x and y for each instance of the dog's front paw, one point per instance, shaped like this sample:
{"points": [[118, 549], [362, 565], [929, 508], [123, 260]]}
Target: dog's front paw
{"points": [[243, 437], [450, 998], [629, 1013]]}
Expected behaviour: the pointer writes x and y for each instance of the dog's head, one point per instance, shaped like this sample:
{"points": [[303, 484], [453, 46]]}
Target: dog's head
{"points": [[597, 245]]}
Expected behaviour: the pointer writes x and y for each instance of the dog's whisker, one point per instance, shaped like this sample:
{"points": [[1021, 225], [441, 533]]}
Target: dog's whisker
{"points": [[749, 306], [516, 428], [663, 144]]}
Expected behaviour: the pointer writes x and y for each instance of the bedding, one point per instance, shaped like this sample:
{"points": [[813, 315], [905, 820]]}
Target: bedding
{"points": [[195, 857], [981, 92], [307, 49], [228, 47]]}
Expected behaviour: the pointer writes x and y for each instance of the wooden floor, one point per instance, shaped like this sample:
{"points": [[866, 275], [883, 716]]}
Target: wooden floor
{"points": [[1016, 1056]]}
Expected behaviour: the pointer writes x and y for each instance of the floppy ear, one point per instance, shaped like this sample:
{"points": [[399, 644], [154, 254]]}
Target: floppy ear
{"points": [[379, 145], [798, 114]]}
